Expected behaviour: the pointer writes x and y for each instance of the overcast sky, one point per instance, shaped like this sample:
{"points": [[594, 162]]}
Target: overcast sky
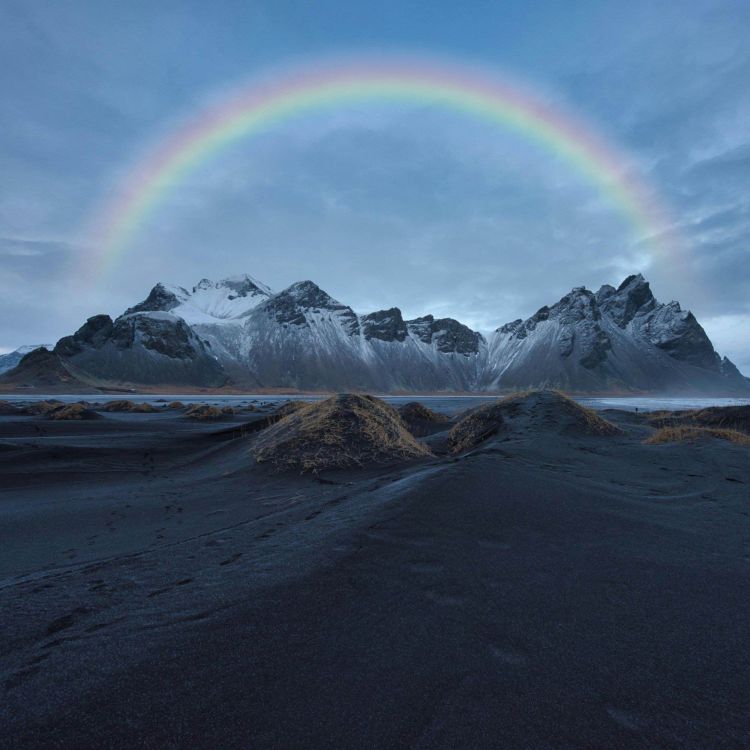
{"points": [[381, 205]]}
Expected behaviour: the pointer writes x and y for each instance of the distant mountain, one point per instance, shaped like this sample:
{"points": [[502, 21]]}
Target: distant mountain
{"points": [[238, 331], [46, 372], [11, 359]]}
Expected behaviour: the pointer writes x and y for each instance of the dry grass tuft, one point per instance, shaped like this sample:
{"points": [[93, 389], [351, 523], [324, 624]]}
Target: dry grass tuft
{"points": [[204, 412], [44, 407], [420, 420], [175, 405], [416, 411], [532, 411], [342, 431], [478, 425], [590, 421], [690, 434], [289, 407], [126, 405], [72, 412], [721, 417]]}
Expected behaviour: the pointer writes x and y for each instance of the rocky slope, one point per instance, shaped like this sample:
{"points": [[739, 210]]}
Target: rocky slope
{"points": [[238, 330], [11, 359], [614, 339], [142, 347]]}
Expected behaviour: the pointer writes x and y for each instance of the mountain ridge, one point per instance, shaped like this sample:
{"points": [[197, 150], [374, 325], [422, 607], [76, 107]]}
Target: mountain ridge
{"points": [[239, 332]]}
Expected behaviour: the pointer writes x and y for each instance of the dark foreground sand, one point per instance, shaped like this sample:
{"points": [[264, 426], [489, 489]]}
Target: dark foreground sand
{"points": [[159, 590]]}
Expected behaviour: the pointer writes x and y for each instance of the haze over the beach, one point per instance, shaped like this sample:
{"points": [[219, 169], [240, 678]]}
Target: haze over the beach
{"points": [[380, 203]]}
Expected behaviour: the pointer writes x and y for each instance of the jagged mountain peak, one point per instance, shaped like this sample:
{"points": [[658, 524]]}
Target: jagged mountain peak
{"points": [[304, 301], [241, 285], [633, 297], [386, 325], [447, 334], [308, 294], [208, 301]]}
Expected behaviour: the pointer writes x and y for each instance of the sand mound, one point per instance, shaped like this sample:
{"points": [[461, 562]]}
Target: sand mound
{"points": [[689, 434], [722, 417], [205, 412], [125, 405], [344, 430], [73, 412], [420, 420], [532, 412]]}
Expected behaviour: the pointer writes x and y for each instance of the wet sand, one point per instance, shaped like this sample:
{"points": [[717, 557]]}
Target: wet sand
{"points": [[160, 590]]}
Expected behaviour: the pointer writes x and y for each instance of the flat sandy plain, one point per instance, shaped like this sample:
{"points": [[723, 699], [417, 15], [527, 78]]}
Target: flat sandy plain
{"points": [[158, 589]]}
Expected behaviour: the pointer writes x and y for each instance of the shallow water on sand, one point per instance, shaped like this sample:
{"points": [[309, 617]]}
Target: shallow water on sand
{"points": [[445, 404]]}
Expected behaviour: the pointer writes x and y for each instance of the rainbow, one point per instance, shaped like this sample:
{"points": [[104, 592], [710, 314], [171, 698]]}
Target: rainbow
{"points": [[258, 107]]}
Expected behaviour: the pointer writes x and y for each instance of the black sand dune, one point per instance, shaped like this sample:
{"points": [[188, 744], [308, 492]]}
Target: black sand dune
{"points": [[546, 589]]}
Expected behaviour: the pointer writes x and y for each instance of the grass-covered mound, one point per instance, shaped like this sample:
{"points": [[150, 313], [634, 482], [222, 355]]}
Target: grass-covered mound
{"points": [[289, 407], [75, 412], [530, 412], [475, 427], [126, 405], [41, 408], [342, 431], [691, 434], [175, 405], [721, 417], [206, 412], [420, 420]]}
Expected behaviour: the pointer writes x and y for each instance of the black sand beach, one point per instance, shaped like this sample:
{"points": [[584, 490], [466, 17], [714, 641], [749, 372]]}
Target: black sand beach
{"points": [[546, 589]]}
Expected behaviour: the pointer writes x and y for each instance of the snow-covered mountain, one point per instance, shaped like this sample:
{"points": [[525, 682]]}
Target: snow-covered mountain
{"points": [[614, 339], [239, 331], [11, 359], [226, 300], [151, 347]]}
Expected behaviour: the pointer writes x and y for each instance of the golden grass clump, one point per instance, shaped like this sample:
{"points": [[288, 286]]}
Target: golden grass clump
{"points": [[342, 431], [204, 412], [420, 420], [722, 417], [474, 428], [590, 421], [43, 407], [690, 434], [533, 412], [289, 407], [175, 405], [126, 405], [72, 412]]}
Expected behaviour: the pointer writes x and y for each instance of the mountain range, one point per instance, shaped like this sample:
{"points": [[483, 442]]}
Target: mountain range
{"points": [[239, 332]]}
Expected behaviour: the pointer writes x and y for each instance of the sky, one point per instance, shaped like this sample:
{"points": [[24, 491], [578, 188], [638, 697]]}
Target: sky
{"points": [[381, 204]]}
